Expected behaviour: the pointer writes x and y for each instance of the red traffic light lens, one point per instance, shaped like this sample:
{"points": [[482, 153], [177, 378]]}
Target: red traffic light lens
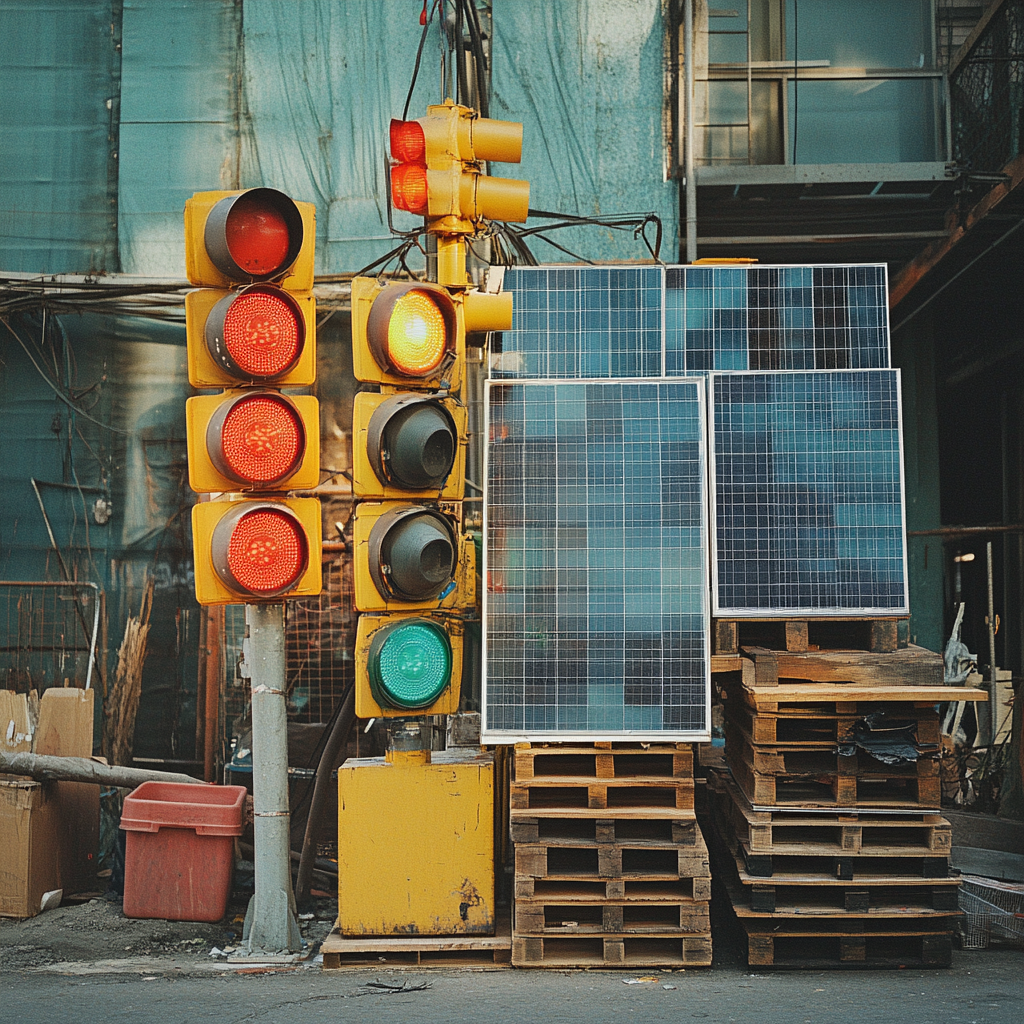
{"points": [[258, 439], [254, 235], [408, 143], [267, 551], [261, 333], [257, 236], [409, 188]]}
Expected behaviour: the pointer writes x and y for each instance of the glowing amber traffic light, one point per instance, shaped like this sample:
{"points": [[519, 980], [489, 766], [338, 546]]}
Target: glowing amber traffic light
{"points": [[406, 334]]}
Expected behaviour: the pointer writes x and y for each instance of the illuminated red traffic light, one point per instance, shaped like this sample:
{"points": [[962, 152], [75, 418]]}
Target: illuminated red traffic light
{"points": [[408, 142], [257, 439], [256, 334], [409, 188], [254, 235], [260, 549]]}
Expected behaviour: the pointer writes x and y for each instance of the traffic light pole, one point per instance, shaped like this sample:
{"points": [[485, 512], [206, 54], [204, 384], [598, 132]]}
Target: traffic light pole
{"points": [[270, 921]]}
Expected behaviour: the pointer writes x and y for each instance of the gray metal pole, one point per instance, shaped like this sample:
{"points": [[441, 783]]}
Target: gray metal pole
{"points": [[271, 925], [688, 162], [993, 685]]}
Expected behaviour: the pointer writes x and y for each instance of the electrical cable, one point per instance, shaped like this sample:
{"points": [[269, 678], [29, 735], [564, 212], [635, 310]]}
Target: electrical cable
{"points": [[796, 51], [56, 390], [419, 55], [483, 100], [461, 75]]}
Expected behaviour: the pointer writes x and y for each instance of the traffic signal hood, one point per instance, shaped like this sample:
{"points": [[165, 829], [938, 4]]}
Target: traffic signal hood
{"points": [[411, 557], [408, 446], [437, 174]]}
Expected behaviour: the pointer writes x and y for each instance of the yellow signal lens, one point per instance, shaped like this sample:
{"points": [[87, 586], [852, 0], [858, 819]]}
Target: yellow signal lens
{"points": [[417, 335]]}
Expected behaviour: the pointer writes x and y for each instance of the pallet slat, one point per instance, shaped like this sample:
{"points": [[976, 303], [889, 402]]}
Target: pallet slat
{"points": [[611, 951]]}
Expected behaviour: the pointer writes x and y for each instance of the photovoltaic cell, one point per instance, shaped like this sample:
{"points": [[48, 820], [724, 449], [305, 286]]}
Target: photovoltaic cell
{"points": [[582, 322], [775, 318], [807, 493], [595, 610]]}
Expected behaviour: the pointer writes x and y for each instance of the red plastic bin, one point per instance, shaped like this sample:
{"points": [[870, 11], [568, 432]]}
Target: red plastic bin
{"points": [[179, 849]]}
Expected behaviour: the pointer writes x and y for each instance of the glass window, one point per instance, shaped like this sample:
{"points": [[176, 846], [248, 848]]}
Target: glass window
{"points": [[863, 121]]}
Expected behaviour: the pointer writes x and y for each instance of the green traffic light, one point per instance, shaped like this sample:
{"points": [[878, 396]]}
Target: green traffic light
{"points": [[410, 664]]}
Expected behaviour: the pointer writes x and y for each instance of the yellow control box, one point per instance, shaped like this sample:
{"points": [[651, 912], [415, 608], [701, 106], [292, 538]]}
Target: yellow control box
{"points": [[416, 844]]}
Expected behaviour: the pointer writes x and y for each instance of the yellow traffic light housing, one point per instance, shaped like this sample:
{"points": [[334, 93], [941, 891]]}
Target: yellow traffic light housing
{"points": [[408, 665], [437, 170], [252, 440], [408, 446], [253, 551], [410, 557]]}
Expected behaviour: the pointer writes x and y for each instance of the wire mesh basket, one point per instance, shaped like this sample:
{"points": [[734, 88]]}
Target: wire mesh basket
{"points": [[991, 910]]}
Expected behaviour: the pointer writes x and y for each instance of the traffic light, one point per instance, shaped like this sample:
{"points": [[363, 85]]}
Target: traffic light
{"points": [[251, 330], [436, 169]]}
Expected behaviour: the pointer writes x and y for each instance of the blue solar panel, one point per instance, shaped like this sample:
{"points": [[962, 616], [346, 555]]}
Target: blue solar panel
{"points": [[595, 608], [807, 493], [582, 322], [775, 318]]}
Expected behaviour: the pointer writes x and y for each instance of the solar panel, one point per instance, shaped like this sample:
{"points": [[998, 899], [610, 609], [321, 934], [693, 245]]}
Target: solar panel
{"points": [[582, 322], [595, 606], [807, 493], [775, 318]]}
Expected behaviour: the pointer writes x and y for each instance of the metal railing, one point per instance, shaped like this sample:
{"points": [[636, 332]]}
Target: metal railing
{"points": [[986, 93], [49, 634]]}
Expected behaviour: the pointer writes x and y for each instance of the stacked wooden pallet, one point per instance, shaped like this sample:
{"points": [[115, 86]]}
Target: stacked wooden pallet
{"points": [[611, 868], [828, 837]]}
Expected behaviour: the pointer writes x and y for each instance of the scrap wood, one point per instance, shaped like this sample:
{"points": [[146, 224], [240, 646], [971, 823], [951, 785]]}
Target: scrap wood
{"points": [[123, 702]]}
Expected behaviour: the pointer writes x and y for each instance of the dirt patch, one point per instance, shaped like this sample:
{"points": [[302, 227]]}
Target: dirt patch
{"points": [[99, 931]]}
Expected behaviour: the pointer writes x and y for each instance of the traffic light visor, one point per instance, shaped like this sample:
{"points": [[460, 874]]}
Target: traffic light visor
{"points": [[411, 329], [256, 334], [410, 663], [257, 439], [260, 549], [255, 235], [412, 553], [412, 442]]}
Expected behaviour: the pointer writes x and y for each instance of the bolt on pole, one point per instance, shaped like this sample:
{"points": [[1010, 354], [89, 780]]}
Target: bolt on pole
{"points": [[270, 923]]}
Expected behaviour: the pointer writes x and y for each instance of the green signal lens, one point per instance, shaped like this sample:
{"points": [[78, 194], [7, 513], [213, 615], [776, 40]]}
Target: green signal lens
{"points": [[410, 664]]}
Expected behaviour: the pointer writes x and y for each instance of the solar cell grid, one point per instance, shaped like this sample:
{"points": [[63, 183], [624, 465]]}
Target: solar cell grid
{"points": [[595, 604]]}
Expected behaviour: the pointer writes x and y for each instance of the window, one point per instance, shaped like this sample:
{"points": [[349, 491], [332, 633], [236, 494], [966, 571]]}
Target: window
{"points": [[801, 81]]}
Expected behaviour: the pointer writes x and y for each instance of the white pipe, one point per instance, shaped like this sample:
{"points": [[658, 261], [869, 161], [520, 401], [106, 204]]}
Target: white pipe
{"points": [[688, 162], [271, 924]]}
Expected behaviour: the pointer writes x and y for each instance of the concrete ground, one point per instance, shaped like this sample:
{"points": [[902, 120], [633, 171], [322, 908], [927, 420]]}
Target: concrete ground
{"points": [[88, 964]]}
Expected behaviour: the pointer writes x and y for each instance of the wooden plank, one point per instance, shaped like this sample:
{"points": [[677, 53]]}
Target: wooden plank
{"points": [[598, 794], [547, 917], [658, 760], [606, 951], [604, 862], [601, 890], [525, 828], [910, 667], [797, 693]]}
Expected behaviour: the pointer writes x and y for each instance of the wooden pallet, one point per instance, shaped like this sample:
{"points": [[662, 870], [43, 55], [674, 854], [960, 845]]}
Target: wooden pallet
{"points": [[528, 827], [565, 792], [878, 635], [653, 862], [782, 942], [798, 759], [618, 761], [623, 917], [852, 783], [611, 951], [820, 724], [827, 895], [603, 890], [910, 667], [853, 831], [391, 951]]}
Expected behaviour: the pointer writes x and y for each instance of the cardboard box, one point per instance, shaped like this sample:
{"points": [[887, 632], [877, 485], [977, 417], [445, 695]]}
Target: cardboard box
{"points": [[49, 831]]}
